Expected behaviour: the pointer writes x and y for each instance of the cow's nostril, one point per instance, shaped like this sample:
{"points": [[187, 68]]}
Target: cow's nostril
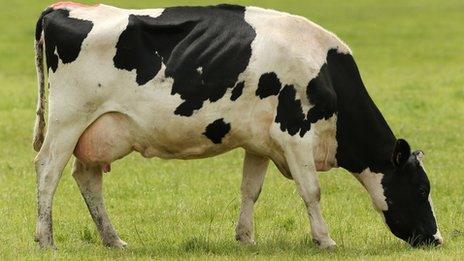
{"points": [[438, 241]]}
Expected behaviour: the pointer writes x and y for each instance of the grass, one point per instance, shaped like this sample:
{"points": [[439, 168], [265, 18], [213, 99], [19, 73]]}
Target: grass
{"points": [[411, 56]]}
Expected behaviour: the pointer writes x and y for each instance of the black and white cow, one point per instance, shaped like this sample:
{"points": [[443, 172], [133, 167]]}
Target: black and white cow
{"points": [[193, 82]]}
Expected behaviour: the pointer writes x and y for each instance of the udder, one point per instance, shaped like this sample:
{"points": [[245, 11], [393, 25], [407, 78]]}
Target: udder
{"points": [[105, 140]]}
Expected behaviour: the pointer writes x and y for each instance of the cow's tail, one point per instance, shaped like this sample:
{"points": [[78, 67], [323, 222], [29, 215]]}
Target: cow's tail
{"points": [[39, 127]]}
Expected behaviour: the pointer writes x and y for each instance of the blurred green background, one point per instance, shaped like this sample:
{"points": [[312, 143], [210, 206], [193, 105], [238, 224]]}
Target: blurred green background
{"points": [[411, 57]]}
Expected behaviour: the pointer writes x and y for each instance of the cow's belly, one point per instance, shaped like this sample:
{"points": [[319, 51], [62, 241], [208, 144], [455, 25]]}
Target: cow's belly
{"points": [[115, 135]]}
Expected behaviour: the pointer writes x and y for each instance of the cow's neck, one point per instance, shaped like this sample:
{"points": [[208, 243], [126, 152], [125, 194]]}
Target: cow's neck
{"points": [[364, 138], [365, 141], [372, 182], [366, 149]]}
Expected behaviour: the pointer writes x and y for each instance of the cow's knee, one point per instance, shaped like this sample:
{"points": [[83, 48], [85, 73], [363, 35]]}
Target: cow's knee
{"points": [[311, 194]]}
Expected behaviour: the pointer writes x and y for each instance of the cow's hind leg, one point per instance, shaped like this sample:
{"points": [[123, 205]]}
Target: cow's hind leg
{"points": [[298, 155], [89, 180], [254, 170], [56, 150]]}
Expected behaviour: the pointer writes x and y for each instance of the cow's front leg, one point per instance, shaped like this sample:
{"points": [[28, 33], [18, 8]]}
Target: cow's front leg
{"points": [[254, 170], [89, 180], [303, 170]]}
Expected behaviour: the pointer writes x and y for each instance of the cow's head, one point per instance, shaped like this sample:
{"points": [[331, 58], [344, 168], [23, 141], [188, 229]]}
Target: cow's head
{"points": [[409, 213]]}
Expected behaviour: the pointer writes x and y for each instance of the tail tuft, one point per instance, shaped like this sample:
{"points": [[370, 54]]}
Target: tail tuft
{"points": [[39, 126]]}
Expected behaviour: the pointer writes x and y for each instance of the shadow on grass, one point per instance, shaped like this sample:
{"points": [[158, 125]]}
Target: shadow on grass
{"points": [[198, 246]]}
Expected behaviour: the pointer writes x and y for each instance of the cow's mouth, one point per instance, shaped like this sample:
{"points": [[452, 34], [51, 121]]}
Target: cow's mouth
{"points": [[423, 241]]}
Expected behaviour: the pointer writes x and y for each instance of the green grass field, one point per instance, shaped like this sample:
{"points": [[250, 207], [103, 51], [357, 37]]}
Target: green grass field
{"points": [[411, 56]]}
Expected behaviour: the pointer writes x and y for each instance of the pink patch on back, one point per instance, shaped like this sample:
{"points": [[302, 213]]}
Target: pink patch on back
{"points": [[106, 168], [69, 5]]}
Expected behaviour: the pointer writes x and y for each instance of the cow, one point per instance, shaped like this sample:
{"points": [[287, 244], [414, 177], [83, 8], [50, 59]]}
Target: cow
{"points": [[195, 82]]}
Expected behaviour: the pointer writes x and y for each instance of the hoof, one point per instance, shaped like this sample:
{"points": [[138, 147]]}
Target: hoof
{"points": [[327, 244], [46, 246], [119, 244], [45, 243], [245, 240]]}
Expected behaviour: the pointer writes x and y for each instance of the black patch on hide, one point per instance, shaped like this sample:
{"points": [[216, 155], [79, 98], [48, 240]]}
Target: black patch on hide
{"points": [[216, 38], [63, 34], [237, 91], [217, 130], [269, 85]]}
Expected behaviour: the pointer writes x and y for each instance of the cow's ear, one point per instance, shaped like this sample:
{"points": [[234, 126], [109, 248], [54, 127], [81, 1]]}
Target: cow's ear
{"points": [[401, 153]]}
